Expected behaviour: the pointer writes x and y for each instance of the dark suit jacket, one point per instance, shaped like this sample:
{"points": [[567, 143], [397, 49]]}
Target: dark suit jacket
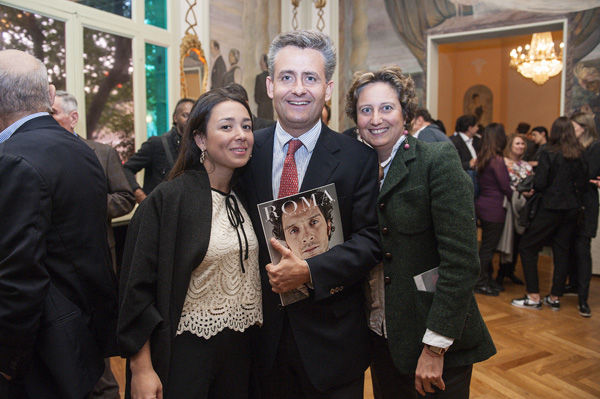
{"points": [[120, 196], [463, 150], [427, 220], [558, 180], [431, 134], [152, 158], [330, 326], [60, 315]]}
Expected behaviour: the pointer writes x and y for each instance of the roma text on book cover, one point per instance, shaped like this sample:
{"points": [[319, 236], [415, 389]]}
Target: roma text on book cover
{"points": [[308, 223]]}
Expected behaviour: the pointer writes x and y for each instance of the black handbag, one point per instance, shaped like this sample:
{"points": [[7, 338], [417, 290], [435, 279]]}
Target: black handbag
{"points": [[526, 184], [528, 212]]}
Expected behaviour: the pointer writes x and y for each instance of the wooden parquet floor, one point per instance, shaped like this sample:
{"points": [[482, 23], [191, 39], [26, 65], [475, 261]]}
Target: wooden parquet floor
{"points": [[541, 354]]}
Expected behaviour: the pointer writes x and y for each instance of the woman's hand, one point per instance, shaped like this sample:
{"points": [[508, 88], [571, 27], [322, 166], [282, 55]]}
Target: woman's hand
{"points": [[429, 372], [528, 194], [596, 182], [145, 384]]}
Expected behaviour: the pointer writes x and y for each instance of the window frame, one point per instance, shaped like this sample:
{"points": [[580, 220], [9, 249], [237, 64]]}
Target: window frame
{"points": [[77, 17]]}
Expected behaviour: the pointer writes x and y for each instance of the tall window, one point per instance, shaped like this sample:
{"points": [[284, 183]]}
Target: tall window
{"points": [[38, 35], [113, 55], [157, 110]]}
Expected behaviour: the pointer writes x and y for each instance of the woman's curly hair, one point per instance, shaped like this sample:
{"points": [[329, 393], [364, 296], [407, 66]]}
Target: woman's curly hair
{"points": [[392, 75]]}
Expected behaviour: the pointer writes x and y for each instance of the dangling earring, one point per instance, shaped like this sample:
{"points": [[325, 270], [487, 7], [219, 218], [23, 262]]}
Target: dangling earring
{"points": [[202, 156], [406, 146]]}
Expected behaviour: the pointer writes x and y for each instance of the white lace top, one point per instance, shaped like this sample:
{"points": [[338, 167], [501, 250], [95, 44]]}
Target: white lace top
{"points": [[220, 295]]}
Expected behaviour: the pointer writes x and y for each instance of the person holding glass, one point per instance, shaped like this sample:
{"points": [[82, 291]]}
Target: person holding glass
{"points": [[425, 337], [190, 287]]}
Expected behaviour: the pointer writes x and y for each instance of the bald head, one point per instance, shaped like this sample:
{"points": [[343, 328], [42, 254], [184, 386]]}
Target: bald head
{"points": [[24, 88]]}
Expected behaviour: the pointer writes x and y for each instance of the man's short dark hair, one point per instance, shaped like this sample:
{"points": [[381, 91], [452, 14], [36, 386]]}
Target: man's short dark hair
{"points": [[463, 123], [322, 200], [183, 100], [523, 128], [423, 113], [238, 89], [541, 129]]}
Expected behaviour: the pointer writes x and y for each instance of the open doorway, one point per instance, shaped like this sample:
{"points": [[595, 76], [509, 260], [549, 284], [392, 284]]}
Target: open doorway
{"points": [[477, 63]]}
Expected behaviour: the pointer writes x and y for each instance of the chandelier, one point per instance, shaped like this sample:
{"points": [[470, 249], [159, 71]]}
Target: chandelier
{"points": [[539, 61]]}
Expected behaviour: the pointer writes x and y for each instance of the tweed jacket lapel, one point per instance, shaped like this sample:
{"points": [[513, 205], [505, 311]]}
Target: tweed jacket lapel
{"points": [[399, 167], [323, 161]]}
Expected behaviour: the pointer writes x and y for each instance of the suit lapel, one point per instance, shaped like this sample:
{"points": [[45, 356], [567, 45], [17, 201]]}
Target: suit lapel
{"points": [[399, 169], [323, 161], [262, 164]]}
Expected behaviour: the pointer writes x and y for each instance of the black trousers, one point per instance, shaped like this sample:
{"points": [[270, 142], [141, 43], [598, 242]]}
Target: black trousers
{"points": [[288, 378], [216, 368], [491, 233], [389, 383], [558, 226], [580, 259]]}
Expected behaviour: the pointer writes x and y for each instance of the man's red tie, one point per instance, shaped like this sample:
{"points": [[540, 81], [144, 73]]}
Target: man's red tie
{"points": [[289, 176]]}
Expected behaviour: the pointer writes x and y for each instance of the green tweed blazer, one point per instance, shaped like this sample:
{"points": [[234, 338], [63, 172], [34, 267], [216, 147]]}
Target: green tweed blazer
{"points": [[427, 220]]}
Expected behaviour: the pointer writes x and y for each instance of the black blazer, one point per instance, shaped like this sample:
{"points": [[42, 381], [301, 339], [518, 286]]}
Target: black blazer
{"points": [[152, 158], [558, 180], [59, 322], [463, 150], [330, 326]]}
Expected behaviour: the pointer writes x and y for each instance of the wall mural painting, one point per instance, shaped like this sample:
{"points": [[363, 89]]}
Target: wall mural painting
{"points": [[586, 85], [479, 101]]}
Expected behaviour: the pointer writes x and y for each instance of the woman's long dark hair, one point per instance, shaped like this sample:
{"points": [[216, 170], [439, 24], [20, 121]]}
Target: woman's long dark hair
{"points": [[492, 145], [189, 153], [562, 139]]}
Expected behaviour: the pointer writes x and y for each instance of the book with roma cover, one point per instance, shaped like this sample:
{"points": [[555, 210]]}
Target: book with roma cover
{"points": [[307, 223]]}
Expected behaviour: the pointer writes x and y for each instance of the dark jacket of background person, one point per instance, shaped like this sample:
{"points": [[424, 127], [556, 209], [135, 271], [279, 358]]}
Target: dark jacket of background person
{"points": [[558, 179], [176, 221], [463, 150], [120, 199], [59, 323], [494, 185], [590, 196], [433, 134], [152, 158], [420, 231], [334, 311]]}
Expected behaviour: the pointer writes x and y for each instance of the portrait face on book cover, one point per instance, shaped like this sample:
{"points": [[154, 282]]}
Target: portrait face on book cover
{"points": [[306, 231], [304, 222]]}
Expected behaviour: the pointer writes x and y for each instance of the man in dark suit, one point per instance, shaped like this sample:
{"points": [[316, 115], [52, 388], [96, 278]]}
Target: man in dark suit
{"points": [[317, 347], [58, 295], [219, 68], [425, 129], [465, 141], [120, 198], [158, 155]]}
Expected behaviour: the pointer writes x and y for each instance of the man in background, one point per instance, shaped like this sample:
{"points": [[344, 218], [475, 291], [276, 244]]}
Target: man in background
{"points": [[120, 201], [425, 128], [158, 155], [465, 141], [58, 292]]}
